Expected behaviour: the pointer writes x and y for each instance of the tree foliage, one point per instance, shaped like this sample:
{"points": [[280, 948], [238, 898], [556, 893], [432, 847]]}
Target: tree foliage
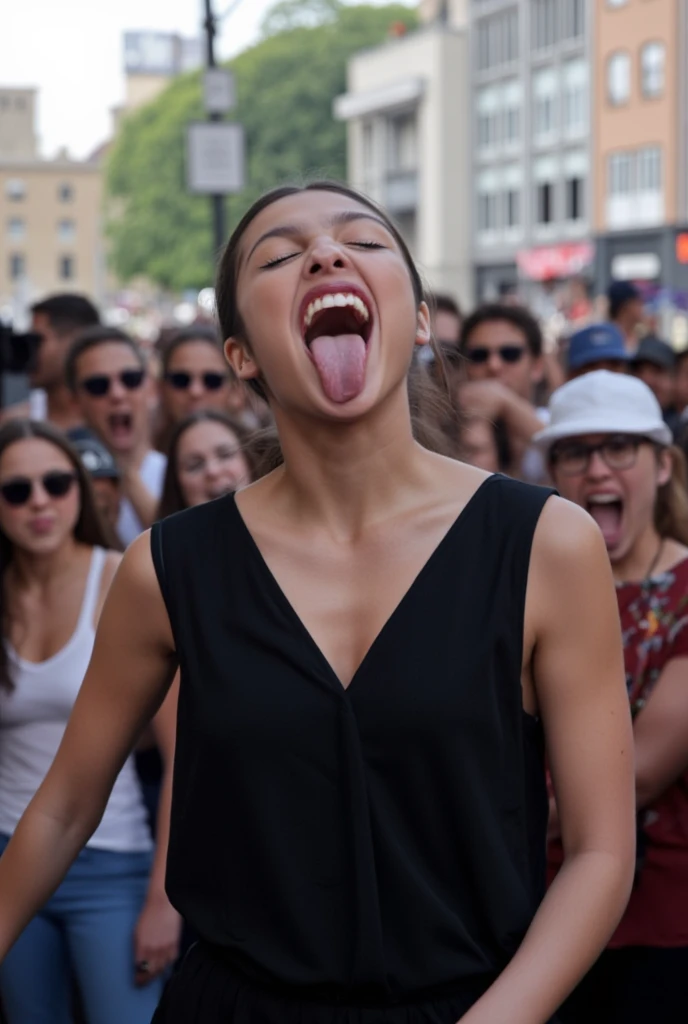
{"points": [[286, 85]]}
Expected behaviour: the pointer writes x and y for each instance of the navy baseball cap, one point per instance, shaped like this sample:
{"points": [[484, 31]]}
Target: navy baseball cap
{"points": [[594, 344], [97, 460]]}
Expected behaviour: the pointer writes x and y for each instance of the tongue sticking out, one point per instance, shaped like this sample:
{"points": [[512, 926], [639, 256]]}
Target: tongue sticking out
{"points": [[608, 518], [340, 360]]}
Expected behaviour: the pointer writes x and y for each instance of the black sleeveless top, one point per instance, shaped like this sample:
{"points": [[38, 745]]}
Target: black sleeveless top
{"points": [[377, 844]]}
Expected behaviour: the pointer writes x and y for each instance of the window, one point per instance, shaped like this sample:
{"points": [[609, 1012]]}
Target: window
{"points": [[574, 114], [66, 268], [488, 202], [512, 98], [16, 229], [17, 266], [545, 174], [15, 189], [488, 107], [512, 182], [545, 27], [497, 38], [573, 17], [616, 3], [545, 89], [575, 173], [619, 78], [403, 147], [66, 231], [621, 174], [65, 192], [652, 61], [649, 169]]}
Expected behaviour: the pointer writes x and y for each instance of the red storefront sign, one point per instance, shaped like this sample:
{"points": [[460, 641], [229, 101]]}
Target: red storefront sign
{"points": [[555, 261]]}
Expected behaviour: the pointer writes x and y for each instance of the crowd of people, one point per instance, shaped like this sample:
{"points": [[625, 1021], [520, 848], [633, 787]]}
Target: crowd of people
{"points": [[117, 438]]}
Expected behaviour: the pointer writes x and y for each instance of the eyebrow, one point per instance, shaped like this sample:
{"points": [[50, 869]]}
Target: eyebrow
{"points": [[337, 220]]}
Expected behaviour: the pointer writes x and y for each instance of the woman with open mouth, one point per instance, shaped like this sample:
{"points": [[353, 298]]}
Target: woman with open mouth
{"points": [[374, 643], [609, 451]]}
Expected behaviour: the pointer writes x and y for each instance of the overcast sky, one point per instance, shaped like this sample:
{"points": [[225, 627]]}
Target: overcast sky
{"points": [[71, 50]]}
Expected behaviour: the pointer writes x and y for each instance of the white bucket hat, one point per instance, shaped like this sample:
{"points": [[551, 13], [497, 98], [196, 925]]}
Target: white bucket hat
{"points": [[603, 403]]}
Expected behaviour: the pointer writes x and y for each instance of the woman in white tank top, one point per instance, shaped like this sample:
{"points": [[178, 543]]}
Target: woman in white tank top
{"points": [[109, 924]]}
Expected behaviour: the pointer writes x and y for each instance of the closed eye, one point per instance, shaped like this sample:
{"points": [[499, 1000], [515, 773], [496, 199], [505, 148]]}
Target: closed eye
{"points": [[368, 245], [276, 260]]}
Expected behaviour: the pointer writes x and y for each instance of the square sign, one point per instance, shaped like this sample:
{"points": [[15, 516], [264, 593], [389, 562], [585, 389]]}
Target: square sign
{"points": [[218, 91], [215, 157]]}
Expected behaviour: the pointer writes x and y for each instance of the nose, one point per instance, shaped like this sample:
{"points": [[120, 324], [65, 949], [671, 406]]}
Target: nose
{"points": [[212, 468], [117, 389], [325, 256], [39, 496], [196, 388], [494, 365], [597, 467]]}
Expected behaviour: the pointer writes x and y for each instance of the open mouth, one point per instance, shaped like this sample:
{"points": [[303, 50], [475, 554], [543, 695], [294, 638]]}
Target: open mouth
{"points": [[607, 511], [120, 424], [336, 328]]}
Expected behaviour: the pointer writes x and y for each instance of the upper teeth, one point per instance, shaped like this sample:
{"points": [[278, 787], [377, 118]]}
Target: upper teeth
{"points": [[336, 299], [602, 499]]}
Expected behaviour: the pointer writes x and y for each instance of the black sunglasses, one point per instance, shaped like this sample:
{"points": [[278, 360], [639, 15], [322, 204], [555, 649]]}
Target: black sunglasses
{"points": [[181, 380], [507, 353], [100, 383], [18, 491]]}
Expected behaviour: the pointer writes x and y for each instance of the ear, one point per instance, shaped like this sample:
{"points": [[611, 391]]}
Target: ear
{"points": [[665, 467], [240, 359], [423, 332]]}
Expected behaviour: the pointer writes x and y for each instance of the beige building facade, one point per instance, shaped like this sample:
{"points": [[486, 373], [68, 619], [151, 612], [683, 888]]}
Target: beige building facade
{"points": [[50, 214], [406, 110], [639, 134]]}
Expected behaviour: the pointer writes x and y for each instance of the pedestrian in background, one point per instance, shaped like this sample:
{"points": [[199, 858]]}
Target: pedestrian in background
{"points": [[610, 451], [106, 371], [55, 572]]}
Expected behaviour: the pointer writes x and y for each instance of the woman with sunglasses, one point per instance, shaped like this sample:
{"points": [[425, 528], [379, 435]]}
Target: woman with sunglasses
{"points": [[206, 459], [609, 451], [55, 569], [373, 643], [194, 375]]}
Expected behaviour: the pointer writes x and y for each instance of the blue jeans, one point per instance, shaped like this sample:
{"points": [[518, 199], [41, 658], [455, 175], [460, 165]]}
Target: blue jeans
{"points": [[85, 931]]}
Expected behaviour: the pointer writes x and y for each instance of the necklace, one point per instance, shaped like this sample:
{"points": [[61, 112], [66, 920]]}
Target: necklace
{"points": [[653, 563]]}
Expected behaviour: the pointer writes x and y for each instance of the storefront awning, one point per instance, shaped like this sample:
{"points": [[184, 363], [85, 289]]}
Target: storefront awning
{"points": [[555, 261], [401, 93]]}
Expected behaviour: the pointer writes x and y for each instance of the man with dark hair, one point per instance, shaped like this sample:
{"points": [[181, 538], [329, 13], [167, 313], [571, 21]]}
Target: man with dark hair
{"points": [[57, 319], [106, 372], [626, 310], [503, 343]]}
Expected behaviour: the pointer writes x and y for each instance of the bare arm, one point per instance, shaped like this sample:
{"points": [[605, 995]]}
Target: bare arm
{"points": [[579, 681], [130, 671], [661, 734], [158, 931], [493, 401]]}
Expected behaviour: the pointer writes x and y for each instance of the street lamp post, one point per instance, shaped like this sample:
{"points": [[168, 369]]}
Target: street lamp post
{"points": [[217, 202]]}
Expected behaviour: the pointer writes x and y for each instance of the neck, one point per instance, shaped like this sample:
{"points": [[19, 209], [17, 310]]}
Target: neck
{"points": [[63, 412], [635, 566], [41, 570], [347, 475]]}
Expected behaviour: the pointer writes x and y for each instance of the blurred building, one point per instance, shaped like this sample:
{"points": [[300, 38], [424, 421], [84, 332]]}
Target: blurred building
{"points": [[406, 110], [50, 212], [529, 75], [151, 60], [641, 144]]}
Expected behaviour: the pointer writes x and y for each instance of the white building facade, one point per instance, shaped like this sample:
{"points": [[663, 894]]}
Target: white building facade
{"points": [[407, 114]]}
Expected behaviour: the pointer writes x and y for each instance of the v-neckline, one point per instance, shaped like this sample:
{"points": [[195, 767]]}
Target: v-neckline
{"points": [[397, 609]]}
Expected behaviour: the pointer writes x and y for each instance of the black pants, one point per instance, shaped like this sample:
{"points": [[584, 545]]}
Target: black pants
{"points": [[636, 985]]}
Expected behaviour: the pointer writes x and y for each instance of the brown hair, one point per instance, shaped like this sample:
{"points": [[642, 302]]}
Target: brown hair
{"points": [[427, 402], [89, 528], [671, 505], [172, 500]]}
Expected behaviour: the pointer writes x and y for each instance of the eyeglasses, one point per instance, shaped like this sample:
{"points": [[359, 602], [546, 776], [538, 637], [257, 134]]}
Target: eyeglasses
{"points": [[100, 384], [617, 452], [181, 380], [507, 353], [18, 490]]}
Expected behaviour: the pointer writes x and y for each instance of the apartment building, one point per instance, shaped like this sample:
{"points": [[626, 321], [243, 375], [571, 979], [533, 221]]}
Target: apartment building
{"points": [[50, 213], [406, 110], [532, 162], [641, 192]]}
